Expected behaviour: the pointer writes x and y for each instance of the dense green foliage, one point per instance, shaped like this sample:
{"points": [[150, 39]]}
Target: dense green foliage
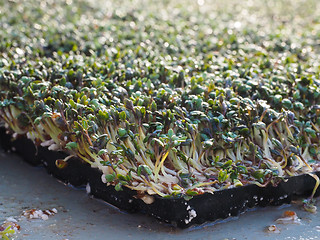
{"points": [[175, 98]]}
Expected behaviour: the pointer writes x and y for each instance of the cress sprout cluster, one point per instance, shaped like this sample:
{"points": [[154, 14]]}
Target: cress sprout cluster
{"points": [[169, 102]]}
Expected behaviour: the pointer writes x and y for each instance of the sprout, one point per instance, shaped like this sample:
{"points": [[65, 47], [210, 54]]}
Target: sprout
{"points": [[6, 233]]}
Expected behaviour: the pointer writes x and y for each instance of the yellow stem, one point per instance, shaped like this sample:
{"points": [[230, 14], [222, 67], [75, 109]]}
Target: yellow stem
{"points": [[157, 166], [316, 185]]}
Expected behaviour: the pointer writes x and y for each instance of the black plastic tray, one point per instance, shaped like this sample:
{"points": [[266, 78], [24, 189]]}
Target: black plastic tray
{"points": [[176, 211]]}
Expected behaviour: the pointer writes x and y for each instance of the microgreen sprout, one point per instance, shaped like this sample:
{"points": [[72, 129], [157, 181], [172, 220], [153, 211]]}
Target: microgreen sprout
{"points": [[6, 233]]}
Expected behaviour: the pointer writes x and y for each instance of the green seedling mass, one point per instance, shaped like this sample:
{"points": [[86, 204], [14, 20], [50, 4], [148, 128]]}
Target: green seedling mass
{"points": [[173, 98]]}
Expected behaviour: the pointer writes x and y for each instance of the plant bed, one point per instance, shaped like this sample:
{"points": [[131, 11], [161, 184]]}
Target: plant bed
{"points": [[204, 103], [183, 213]]}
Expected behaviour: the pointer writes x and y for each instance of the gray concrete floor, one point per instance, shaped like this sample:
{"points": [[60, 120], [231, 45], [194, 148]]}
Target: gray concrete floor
{"points": [[80, 217]]}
